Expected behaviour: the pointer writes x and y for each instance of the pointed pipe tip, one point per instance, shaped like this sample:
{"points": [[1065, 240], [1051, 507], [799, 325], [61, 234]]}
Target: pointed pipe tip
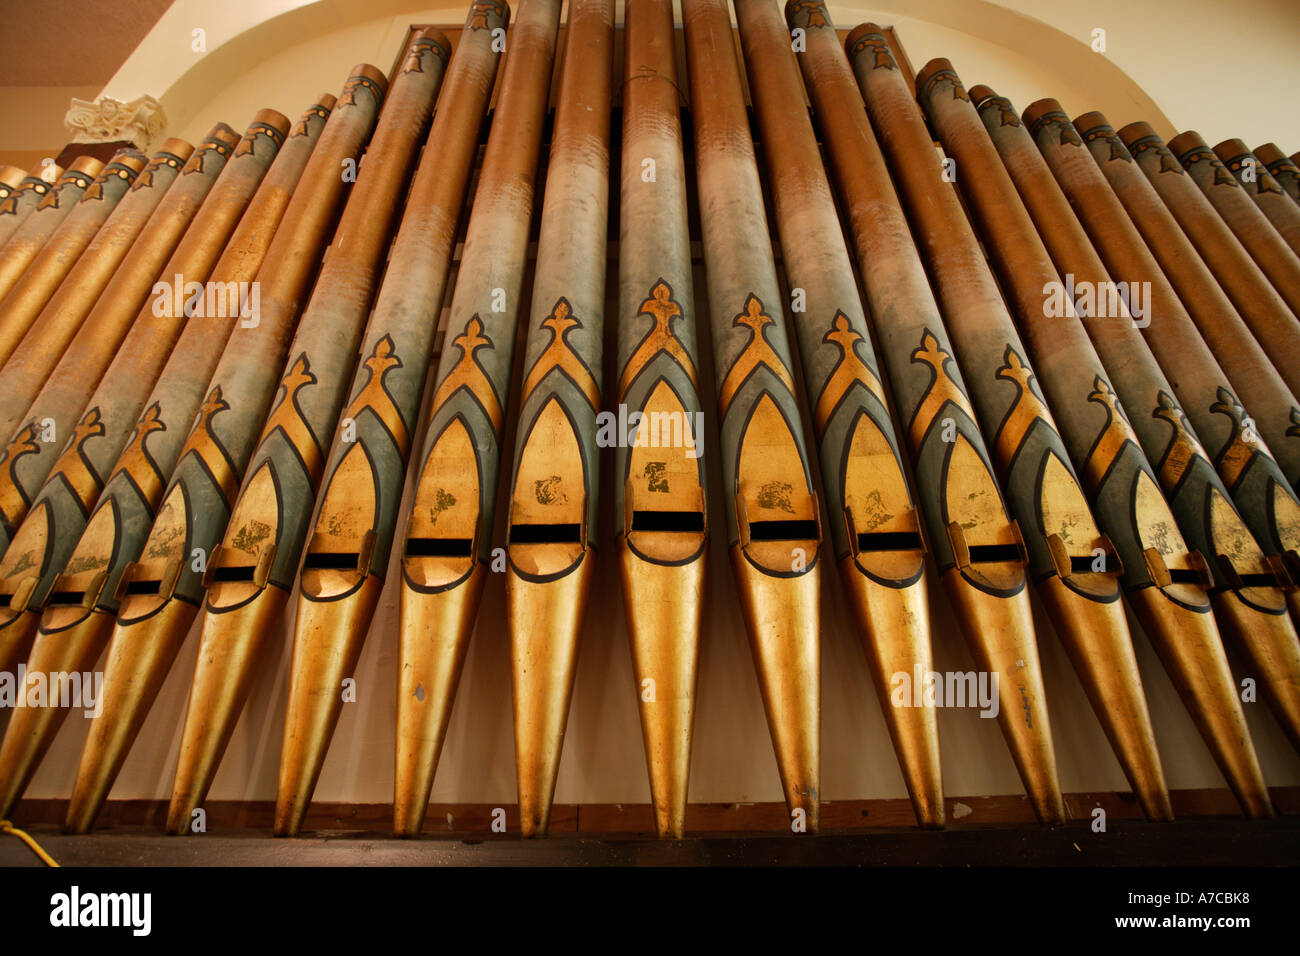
{"points": [[1100, 647], [17, 638], [139, 658], [783, 622], [665, 604], [436, 627], [1000, 633], [32, 730], [328, 639], [1190, 648], [231, 647], [1270, 643], [894, 625], [545, 621]]}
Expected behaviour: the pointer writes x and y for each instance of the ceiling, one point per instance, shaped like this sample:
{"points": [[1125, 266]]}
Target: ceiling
{"points": [[71, 42]]}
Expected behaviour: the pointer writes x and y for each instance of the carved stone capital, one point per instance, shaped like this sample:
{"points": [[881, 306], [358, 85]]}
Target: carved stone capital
{"points": [[107, 120]]}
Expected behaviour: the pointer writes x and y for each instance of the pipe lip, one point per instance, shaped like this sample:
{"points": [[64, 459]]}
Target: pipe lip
{"points": [[371, 73], [1036, 110], [87, 165], [1185, 142], [41, 171], [791, 8], [439, 39], [274, 119], [131, 158], [1231, 149], [222, 135], [326, 101], [936, 66], [1268, 153], [12, 175], [979, 93], [180, 148], [1093, 119], [858, 32], [1133, 132]]}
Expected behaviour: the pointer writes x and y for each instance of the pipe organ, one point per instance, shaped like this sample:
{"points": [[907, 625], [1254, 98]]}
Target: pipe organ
{"points": [[1050, 364]]}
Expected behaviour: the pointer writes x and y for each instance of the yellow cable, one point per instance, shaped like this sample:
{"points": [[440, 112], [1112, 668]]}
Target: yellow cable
{"points": [[7, 827]]}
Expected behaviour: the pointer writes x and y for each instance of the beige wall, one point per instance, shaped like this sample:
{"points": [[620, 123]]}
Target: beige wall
{"points": [[32, 124], [1024, 49]]}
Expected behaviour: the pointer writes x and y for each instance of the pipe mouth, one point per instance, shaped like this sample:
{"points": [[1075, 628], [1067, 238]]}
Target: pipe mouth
{"points": [[1036, 110], [979, 93], [326, 101], [1186, 142]]}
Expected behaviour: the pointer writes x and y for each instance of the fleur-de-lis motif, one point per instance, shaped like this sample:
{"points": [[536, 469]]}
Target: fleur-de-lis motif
{"points": [[1028, 409], [204, 445], [848, 371], [135, 461], [879, 48], [1183, 449], [1117, 433], [943, 387], [13, 502], [756, 352], [374, 395], [467, 373], [559, 354], [809, 13], [287, 418], [662, 308], [73, 466]]}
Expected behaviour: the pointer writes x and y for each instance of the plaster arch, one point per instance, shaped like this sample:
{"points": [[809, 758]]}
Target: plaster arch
{"points": [[282, 53]]}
